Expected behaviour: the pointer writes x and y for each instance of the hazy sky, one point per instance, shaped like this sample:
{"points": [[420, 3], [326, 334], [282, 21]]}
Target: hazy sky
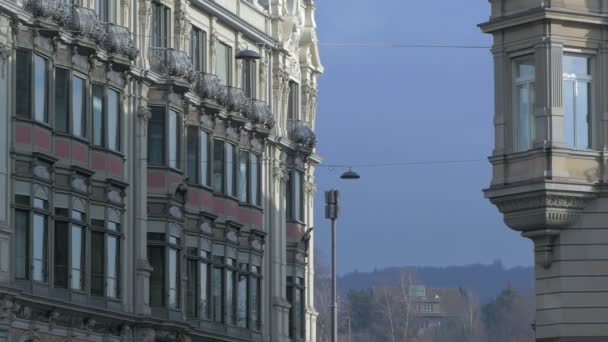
{"points": [[379, 105]]}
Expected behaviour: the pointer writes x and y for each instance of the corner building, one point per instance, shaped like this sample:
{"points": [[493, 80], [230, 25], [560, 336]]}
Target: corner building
{"points": [[156, 170], [549, 161]]}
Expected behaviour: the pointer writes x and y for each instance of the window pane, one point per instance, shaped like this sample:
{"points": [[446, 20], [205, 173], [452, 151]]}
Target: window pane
{"points": [[255, 191], [291, 323], [243, 299], [61, 255], [582, 114], [173, 142], [191, 287], [113, 120], [112, 262], [217, 293], [297, 196], [575, 65], [102, 10], [523, 117], [40, 88], [156, 136], [204, 158], [39, 243], [255, 302], [77, 106], [97, 264], [222, 63], [230, 295], [293, 101], [173, 279], [230, 169], [218, 166], [248, 78], [21, 244], [62, 104], [23, 83], [77, 251], [157, 277], [191, 153], [525, 69], [569, 111], [195, 48], [97, 114], [242, 175], [204, 289]]}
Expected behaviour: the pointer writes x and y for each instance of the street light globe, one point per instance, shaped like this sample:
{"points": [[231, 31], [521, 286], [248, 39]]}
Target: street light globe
{"points": [[350, 174]]}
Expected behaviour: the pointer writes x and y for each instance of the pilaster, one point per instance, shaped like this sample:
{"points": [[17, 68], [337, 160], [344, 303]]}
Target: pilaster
{"points": [[549, 109]]}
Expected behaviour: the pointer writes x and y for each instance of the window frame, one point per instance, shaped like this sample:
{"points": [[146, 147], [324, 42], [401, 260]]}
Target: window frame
{"points": [[228, 61], [199, 36], [576, 79], [160, 26], [166, 137], [106, 130], [249, 78], [170, 243], [528, 83]]}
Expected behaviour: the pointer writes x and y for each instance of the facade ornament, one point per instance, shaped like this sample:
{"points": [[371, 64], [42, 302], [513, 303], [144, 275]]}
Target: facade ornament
{"points": [[5, 53], [7, 309], [125, 332], [88, 324], [144, 114], [53, 316], [145, 335]]}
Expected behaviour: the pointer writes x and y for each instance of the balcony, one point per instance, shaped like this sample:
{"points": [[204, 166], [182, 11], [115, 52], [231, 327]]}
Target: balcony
{"points": [[208, 87], [302, 134], [118, 40], [261, 114], [55, 10], [236, 101], [85, 23], [171, 63]]}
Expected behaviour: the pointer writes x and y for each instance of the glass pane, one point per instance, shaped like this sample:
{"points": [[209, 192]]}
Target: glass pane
{"points": [[191, 152], [222, 63], [156, 256], [525, 69], [77, 106], [40, 88], [21, 244], [156, 136], [77, 251], [23, 83], [255, 302], [230, 295], [242, 175], [61, 254], [243, 299], [97, 264], [113, 120], [204, 158], [217, 293], [173, 280], [112, 259], [230, 169], [173, 143], [575, 65], [255, 191], [569, 112], [62, 104], [218, 165], [297, 195], [97, 115], [39, 242], [204, 288], [523, 117], [191, 287], [291, 310], [582, 115]]}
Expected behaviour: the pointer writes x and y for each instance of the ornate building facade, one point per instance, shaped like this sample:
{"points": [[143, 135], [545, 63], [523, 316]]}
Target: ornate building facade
{"points": [[549, 159], [157, 170]]}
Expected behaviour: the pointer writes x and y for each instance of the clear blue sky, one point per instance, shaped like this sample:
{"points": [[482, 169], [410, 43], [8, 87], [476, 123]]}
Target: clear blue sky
{"points": [[381, 105]]}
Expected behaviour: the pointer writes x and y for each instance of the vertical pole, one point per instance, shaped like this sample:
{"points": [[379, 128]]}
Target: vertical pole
{"points": [[334, 304]]}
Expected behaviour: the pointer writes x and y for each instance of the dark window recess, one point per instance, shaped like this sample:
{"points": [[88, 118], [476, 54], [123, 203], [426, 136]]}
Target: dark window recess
{"points": [[62, 99], [156, 137], [61, 254], [23, 99]]}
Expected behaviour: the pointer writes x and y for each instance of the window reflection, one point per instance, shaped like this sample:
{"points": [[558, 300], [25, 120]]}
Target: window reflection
{"points": [[78, 95], [40, 83]]}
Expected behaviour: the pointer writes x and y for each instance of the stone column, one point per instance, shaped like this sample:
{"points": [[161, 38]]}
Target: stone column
{"points": [[549, 110], [144, 17]]}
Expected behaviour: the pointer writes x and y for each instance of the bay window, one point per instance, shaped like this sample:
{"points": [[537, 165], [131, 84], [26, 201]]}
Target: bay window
{"points": [[223, 63], [113, 115], [105, 252], [31, 85], [62, 99], [524, 103], [163, 255], [173, 140], [577, 100], [255, 173], [197, 155], [164, 137], [191, 153], [198, 274], [204, 158], [40, 88], [78, 106], [97, 112], [23, 83], [106, 117], [218, 165], [230, 170], [243, 174]]}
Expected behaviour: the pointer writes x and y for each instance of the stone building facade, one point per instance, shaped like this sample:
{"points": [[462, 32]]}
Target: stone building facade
{"points": [[549, 161], [157, 166]]}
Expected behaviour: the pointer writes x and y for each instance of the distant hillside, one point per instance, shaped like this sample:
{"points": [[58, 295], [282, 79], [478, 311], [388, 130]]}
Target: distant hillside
{"points": [[487, 281]]}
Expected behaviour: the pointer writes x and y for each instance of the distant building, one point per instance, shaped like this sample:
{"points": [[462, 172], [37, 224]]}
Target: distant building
{"points": [[157, 166], [549, 158]]}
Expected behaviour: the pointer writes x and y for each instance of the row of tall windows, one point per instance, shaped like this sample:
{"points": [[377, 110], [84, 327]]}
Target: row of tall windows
{"points": [[67, 100], [576, 87], [51, 243]]}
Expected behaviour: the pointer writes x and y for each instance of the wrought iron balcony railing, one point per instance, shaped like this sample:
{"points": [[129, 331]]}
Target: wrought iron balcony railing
{"points": [[172, 63], [56, 10], [208, 86], [301, 133], [236, 101], [118, 40], [86, 23], [261, 114]]}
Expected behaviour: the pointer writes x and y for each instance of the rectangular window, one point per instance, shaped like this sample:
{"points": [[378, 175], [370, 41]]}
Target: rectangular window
{"points": [[173, 273], [255, 302], [230, 167], [173, 139], [22, 250], [98, 125], [62, 99], [40, 87], [191, 286], [197, 48], [23, 82], [217, 291], [243, 175], [577, 100], [525, 101], [156, 136], [156, 256], [243, 301], [249, 79], [230, 279], [103, 10], [77, 259], [255, 179], [78, 109], [113, 113], [204, 289], [39, 248], [160, 26], [204, 158], [223, 63], [112, 262], [191, 153], [295, 197], [97, 264], [218, 166], [61, 254], [293, 101]]}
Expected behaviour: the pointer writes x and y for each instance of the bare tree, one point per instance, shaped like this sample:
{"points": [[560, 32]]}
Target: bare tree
{"points": [[322, 283]]}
